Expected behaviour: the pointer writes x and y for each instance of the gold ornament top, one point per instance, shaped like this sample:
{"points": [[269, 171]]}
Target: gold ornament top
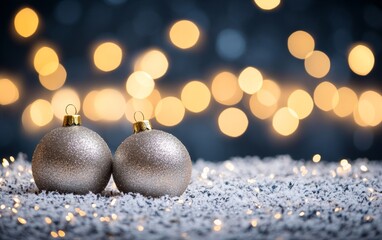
{"points": [[140, 126], [71, 120]]}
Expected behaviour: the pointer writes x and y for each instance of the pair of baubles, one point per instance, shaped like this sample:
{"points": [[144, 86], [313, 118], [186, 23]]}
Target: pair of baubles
{"points": [[75, 159]]}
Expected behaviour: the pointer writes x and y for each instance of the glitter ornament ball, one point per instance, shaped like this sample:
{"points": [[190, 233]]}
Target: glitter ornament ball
{"points": [[152, 162], [72, 159]]}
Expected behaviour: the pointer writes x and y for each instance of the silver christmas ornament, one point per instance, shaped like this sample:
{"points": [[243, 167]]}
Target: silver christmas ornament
{"points": [[152, 162], [72, 159]]}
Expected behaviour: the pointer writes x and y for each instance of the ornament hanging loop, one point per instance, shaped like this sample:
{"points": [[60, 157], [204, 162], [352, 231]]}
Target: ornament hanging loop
{"points": [[75, 109], [71, 120], [140, 126], [143, 116]]}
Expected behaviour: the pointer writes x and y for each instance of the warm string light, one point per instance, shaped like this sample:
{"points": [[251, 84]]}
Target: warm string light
{"points": [[361, 59], [250, 80], [143, 105], [26, 22], [278, 216], [146, 106], [5, 163], [317, 64], [63, 98], [109, 104], [233, 122], [45, 61], [267, 5], [301, 103], [269, 94], [326, 96], [107, 56], [344, 168], [184, 34], [285, 121], [263, 103], [59, 233], [218, 224], [9, 92], [300, 44], [169, 111], [140, 85], [226, 88], [153, 61], [316, 158], [41, 112], [55, 80], [195, 96], [369, 108], [347, 102]]}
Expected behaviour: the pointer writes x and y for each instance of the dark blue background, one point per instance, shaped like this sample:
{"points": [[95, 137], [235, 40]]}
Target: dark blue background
{"points": [[139, 25]]}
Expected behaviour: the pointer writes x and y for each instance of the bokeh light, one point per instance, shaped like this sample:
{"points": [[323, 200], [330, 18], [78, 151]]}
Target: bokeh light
{"points": [[196, 96], [63, 98], [184, 34], [26, 22], [233, 122], [361, 59], [154, 97], [301, 103], [26, 120], [146, 106], [198, 41], [267, 4], [45, 61], [250, 80], [317, 64], [54, 80], [224, 46], [357, 117], [326, 96], [225, 88], [285, 121], [9, 93], [110, 104], [107, 56], [369, 107], [169, 111], [142, 105], [366, 112], [347, 101], [89, 107], [316, 158], [154, 62], [259, 109], [140, 85], [269, 93], [41, 112], [300, 44]]}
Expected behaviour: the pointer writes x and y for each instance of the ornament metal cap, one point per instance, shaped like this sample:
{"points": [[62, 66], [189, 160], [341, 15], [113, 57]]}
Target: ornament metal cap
{"points": [[140, 126], [71, 120]]}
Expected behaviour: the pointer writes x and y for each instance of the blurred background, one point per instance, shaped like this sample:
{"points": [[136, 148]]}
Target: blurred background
{"points": [[228, 78]]}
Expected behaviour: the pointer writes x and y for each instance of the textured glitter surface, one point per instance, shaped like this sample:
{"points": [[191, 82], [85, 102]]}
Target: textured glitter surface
{"points": [[153, 163], [273, 198], [72, 159]]}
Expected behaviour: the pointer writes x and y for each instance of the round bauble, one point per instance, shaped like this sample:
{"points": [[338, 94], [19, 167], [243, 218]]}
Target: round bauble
{"points": [[153, 163], [72, 159]]}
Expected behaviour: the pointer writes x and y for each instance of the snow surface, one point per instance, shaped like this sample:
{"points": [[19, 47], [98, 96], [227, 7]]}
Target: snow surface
{"points": [[242, 198]]}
